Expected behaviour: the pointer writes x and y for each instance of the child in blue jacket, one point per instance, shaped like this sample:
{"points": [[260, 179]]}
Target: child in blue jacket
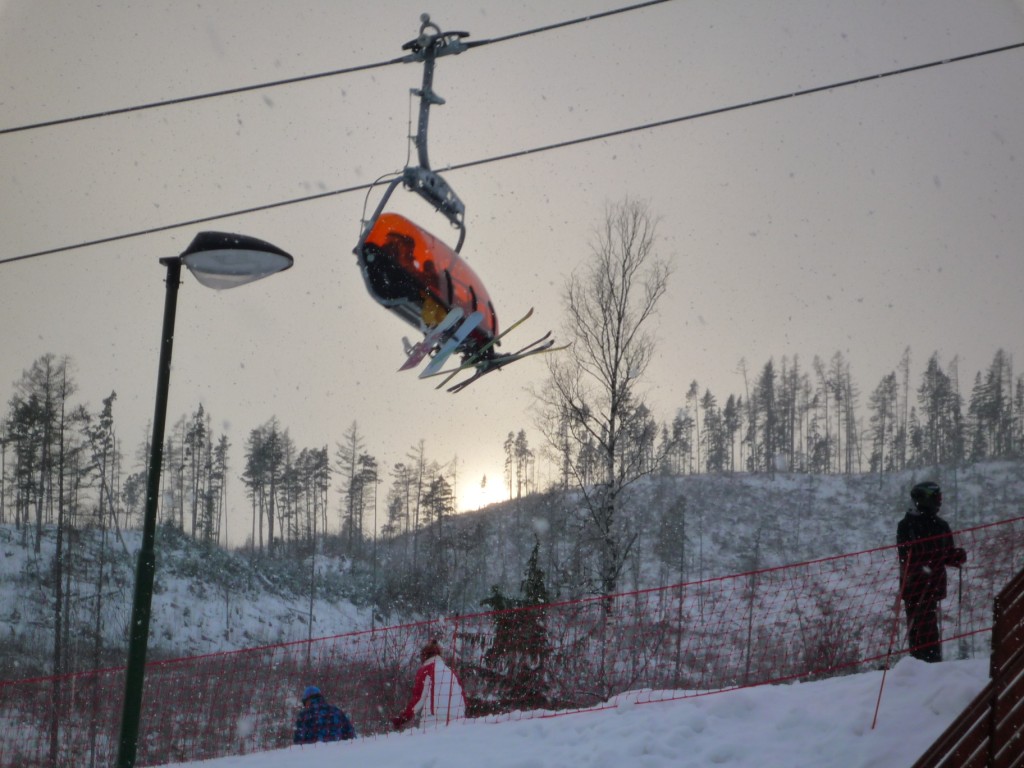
{"points": [[320, 721]]}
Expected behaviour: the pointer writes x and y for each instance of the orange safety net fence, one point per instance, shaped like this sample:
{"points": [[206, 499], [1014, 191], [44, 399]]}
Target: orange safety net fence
{"points": [[811, 620]]}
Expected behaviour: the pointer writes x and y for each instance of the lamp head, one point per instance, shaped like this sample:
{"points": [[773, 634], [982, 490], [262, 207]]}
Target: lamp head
{"points": [[221, 260]]}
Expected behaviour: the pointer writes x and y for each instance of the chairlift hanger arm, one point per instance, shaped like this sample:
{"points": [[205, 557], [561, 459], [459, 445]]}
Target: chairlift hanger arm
{"points": [[430, 44], [428, 184]]}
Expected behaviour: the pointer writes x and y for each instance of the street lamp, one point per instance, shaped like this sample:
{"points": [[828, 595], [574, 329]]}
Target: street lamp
{"points": [[217, 260]]}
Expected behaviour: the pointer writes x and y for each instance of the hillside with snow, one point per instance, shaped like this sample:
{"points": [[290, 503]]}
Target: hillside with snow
{"points": [[686, 529]]}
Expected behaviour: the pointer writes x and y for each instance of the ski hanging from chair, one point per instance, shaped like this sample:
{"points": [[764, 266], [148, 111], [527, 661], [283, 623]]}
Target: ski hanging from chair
{"points": [[418, 276]]}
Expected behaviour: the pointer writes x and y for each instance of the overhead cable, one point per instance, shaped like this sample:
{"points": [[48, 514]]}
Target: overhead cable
{"points": [[317, 76], [534, 150], [197, 97], [560, 24]]}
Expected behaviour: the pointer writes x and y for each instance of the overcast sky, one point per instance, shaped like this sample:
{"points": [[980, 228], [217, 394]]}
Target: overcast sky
{"points": [[861, 219]]}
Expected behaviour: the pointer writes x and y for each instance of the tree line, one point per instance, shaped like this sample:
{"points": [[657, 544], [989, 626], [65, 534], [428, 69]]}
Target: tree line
{"points": [[62, 463], [810, 420]]}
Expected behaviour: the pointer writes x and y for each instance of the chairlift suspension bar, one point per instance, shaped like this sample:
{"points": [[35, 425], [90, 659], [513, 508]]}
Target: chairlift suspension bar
{"points": [[430, 44], [428, 184], [426, 48]]}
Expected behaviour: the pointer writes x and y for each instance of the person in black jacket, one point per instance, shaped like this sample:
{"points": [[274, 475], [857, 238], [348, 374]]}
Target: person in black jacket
{"points": [[925, 546], [320, 721]]}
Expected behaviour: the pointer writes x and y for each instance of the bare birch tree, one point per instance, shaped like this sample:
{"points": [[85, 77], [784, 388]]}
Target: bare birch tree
{"points": [[591, 391]]}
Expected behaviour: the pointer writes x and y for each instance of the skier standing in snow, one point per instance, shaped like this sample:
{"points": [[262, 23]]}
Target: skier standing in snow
{"points": [[436, 694], [320, 721], [925, 546]]}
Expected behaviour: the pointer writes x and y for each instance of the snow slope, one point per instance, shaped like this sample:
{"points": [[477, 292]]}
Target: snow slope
{"points": [[822, 724]]}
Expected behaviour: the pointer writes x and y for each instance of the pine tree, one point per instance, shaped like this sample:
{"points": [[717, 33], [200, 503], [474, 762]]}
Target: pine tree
{"points": [[516, 660]]}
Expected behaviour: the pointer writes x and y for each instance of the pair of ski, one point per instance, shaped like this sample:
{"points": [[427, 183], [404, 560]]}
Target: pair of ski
{"points": [[444, 338], [441, 334], [484, 365], [499, 361]]}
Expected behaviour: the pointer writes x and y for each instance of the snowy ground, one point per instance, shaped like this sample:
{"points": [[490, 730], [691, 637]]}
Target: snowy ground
{"points": [[825, 724]]}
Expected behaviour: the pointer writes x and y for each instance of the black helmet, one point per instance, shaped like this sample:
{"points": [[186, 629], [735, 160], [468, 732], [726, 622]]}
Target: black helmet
{"points": [[926, 495]]}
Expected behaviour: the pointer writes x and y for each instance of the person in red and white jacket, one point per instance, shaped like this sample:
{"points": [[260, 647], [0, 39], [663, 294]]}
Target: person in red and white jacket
{"points": [[436, 693]]}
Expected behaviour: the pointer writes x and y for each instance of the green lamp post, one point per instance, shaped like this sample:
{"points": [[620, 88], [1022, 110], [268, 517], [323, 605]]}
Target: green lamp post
{"points": [[217, 260]]}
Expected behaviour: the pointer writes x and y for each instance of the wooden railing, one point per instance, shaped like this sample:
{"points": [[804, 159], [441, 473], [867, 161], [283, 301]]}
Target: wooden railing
{"points": [[990, 732]]}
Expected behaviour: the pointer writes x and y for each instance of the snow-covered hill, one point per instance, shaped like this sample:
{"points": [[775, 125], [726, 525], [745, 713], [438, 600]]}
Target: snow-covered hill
{"points": [[695, 527], [205, 600], [687, 528]]}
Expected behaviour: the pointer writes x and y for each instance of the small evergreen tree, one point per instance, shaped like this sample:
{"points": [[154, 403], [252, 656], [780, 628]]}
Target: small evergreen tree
{"points": [[516, 660]]}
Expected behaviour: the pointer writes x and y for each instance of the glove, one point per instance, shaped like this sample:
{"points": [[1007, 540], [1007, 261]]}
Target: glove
{"points": [[957, 557]]}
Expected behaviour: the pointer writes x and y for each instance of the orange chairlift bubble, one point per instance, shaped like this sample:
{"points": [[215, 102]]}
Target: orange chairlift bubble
{"points": [[420, 278]]}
